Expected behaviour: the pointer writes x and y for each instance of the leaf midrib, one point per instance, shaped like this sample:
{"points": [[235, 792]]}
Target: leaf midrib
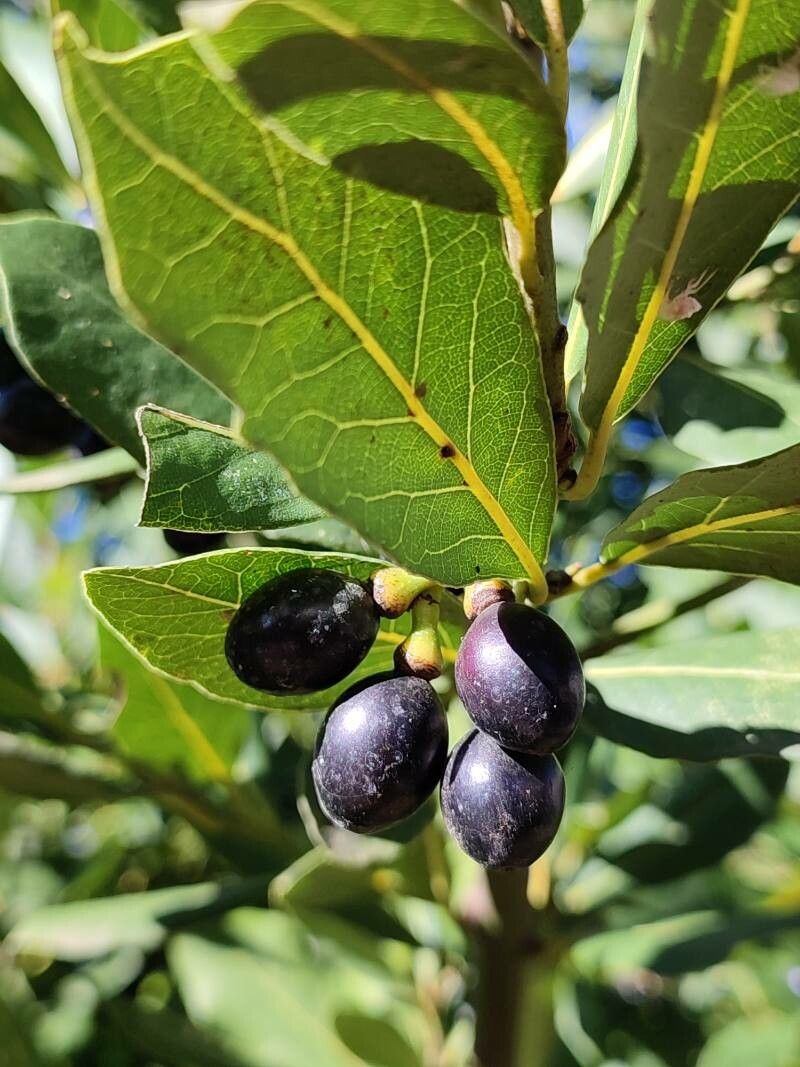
{"points": [[521, 214], [702, 529], [757, 674], [339, 306], [694, 186]]}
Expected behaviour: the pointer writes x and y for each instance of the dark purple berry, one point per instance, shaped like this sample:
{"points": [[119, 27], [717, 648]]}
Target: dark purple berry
{"points": [[191, 543], [520, 678], [301, 632], [89, 442], [32, 422], [502, 807], [380, 753]]}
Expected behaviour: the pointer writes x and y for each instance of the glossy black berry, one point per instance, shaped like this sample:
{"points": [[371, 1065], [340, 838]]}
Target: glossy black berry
{"points": [[89, 442], [301, 632], [502, 807], [380, 753], [190, 543], [520, 678], [32, 422]]}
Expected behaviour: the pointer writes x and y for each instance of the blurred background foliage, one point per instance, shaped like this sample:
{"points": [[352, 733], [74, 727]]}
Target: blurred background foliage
{"points": [[168, 897]]}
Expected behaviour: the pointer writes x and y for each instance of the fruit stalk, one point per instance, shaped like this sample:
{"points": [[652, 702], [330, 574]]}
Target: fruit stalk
{"points": [[502, 958], [421, 652]]}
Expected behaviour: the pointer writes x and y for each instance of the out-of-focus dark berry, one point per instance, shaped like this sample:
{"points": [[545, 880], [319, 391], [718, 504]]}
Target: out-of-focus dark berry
{"points": [[190, 543], [32, 422]]}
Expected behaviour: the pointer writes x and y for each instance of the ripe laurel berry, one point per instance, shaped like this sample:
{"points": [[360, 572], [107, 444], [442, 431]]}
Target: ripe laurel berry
{"points": [[502, 807], [301, 632], [520, 678], [190, 543], [380, 753], [32, 422]]}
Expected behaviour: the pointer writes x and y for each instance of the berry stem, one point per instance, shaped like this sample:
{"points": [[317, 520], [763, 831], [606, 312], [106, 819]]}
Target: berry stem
{"points": [[394, 590], [502, 960], [421, 652]]}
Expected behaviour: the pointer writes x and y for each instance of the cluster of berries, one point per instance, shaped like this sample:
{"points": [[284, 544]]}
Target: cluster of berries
{"points": [[382, 748]]}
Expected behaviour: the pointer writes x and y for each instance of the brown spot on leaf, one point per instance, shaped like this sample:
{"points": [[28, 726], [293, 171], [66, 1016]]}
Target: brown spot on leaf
{"points": [[327, 323], [420, 389], [447, 451]]}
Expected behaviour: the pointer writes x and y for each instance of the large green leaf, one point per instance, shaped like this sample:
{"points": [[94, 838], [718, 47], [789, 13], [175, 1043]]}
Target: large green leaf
{"points": [[718, 127], [283, 995], [176, 615], [19, 694], [66, 327], [673, 946], [721, 696], [86, 929], [20, 118], [361, 312], [621, 150], [110, 24], [203, 477], [172, 726], [743, 519], [770, 1040], [727, 414], [695, 819], [47, 773]]}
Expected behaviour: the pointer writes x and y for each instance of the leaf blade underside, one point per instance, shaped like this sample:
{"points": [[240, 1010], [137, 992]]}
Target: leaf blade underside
{"points": [[339, 351]]}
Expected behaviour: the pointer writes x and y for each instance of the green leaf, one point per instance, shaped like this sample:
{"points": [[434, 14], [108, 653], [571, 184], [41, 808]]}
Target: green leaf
{"points": [[47, 774], [67, 329], [172, 726], [532, 17], [718, 140], [743, 519], [319, 880], [291, 994], [695, 821], [202, 477], [378, 342], [266, 1011], [110, 24], [708, 699], [727, 414], [175, 616], [102, 466], [20, 118], [84, 930], [619, 156], [770, 1040], [166, 1035], [19, 694], [673, 946]]}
